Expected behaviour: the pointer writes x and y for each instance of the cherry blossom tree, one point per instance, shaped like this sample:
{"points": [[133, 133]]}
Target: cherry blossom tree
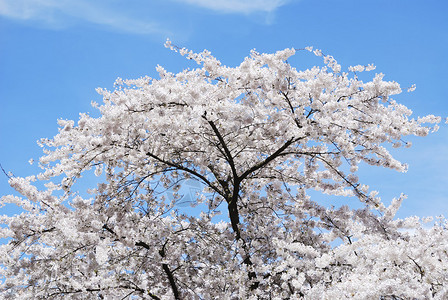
{"points": [[256, 138]]}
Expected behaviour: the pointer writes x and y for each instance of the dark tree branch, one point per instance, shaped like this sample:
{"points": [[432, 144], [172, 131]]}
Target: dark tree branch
{"points": [[7, 175], [192, 172], [228, 155], [165, 268], [292, 109], [268, 159], [170, 275]]}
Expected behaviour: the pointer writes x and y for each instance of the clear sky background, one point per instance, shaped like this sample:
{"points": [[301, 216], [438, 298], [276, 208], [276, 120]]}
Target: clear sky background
{"points": [[54, 53]]}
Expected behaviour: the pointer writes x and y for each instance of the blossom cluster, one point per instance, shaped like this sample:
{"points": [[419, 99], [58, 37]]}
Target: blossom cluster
{"points": [[256, 138]]}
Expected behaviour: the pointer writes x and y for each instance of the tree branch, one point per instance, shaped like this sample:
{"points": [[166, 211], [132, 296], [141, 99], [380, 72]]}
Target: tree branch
{"points": [[268, 159], [193, 172], [224, 146], [165, 268], [170, 275]]}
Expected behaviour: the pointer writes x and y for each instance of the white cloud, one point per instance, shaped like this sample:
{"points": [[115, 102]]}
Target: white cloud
{"points": [[138, 16], [238, 6], [63, 13]]}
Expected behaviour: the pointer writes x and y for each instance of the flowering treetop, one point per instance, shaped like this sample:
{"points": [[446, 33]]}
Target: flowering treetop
{"points": [[256, 137]]}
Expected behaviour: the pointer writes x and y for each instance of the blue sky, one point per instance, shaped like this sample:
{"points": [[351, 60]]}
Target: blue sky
{"points": [[54, 53]]}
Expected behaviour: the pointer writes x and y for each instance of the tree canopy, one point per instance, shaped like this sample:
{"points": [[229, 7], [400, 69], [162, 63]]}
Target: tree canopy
{"points": [[256, 138]]}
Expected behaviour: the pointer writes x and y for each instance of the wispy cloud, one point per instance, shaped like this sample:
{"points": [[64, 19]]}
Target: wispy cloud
{"points": [[137, 16], [62, 13], [238, 6]]}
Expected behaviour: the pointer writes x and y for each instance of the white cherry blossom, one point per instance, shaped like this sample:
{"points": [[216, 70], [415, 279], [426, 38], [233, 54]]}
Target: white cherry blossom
{"points": [[255, 138]]}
